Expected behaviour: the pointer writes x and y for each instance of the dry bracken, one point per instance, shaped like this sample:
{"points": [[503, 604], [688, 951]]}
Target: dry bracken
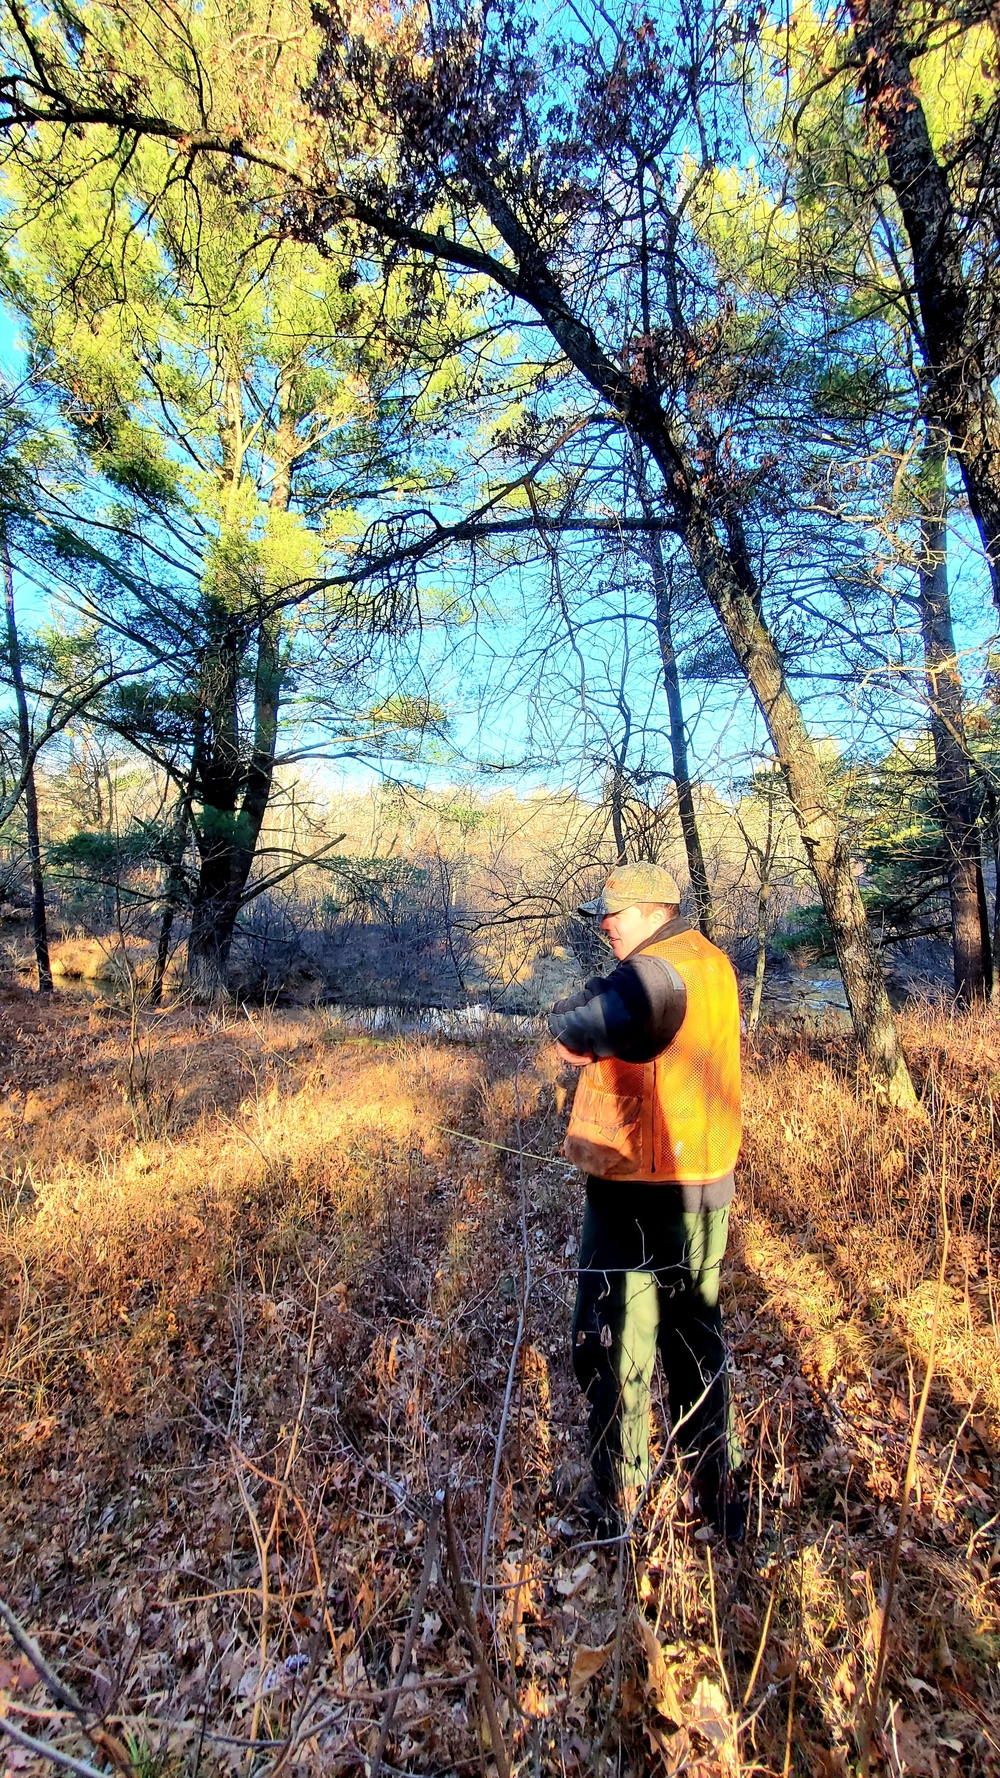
{"points": [[290, 1436]]}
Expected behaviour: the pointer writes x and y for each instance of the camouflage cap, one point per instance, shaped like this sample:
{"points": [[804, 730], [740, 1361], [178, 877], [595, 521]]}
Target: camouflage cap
{"points": [[630, 884]]}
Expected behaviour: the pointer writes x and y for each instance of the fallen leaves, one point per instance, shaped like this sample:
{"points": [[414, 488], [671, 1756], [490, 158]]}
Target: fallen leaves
{"points": [[18, 1675], [695, 1703], [661, 1689], [586, 1663], [163, 1321], [568, 1585], [709, 1715]]}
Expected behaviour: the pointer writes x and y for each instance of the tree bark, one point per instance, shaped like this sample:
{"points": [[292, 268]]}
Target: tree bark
{"points": [[173, 888], [662, 594], [956, 805], [234, 804], [213, 911], [760, 963], [763, 857], [960, 400], [39, 924]]}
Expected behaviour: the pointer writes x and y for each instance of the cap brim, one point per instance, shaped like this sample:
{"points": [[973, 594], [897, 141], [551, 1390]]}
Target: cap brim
{"points": [[592, 910]]}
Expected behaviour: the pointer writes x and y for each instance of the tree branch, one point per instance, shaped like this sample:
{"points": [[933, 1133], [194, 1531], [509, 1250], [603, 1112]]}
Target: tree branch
{"points": [[288, 870]]}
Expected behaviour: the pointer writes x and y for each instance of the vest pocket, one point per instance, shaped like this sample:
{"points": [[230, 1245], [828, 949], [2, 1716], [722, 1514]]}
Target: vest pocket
{"points": [[605, 1132]]}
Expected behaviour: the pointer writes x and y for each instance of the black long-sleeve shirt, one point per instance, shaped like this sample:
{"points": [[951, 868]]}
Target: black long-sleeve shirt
{"points": [[634, 1013]]}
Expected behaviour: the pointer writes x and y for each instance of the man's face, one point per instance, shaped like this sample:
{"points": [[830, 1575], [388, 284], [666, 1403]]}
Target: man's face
{"points": [[629, 927]]}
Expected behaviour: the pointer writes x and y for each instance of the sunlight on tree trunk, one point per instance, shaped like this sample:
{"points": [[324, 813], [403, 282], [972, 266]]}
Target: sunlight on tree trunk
{"points": [[729, 585], [763, 857], [956, 808], [39, 926]]}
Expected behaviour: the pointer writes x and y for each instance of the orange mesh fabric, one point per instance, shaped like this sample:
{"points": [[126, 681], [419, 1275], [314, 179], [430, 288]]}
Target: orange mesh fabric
{"points": [[677, 1118]]}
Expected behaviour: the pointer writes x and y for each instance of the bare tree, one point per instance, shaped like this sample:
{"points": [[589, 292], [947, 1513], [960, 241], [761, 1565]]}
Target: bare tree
{"points": [[462, 118], [762, 851]]}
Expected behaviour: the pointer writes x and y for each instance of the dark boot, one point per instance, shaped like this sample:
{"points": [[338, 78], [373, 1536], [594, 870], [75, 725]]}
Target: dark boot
{"points": [[722, 1500], [600, 1511]]}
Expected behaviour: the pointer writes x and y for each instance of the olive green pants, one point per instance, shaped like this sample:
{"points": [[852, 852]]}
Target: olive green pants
{"points": [[649, 1281]]}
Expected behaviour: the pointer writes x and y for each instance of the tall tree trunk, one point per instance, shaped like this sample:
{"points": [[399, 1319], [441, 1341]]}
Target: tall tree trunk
{"points": [[173, 888], [760, 963], [992, 829], [171, 898], [956, 806], [213, 924], [662, 593], [39, 924], [709, 526], [235, 791], [217, 829], [617, 824], [959, 400], [724, 573], [617, 778], [763, 857], [230, 832]]}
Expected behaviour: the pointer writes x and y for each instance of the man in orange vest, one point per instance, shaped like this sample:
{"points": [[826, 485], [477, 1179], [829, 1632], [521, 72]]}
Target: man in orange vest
{"points": [[656, 1126]]}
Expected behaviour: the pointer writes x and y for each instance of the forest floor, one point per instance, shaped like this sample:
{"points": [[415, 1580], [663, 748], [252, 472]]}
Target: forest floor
{"points": [[290, 1436]]}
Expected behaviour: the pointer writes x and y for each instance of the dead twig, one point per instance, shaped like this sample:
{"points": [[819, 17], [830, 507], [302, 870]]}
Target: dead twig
{"points": [[63, 1694], [515, 1356], [45, 1750], [262, 1540], [486, 1686], [762, 1644], [430, 1554]]}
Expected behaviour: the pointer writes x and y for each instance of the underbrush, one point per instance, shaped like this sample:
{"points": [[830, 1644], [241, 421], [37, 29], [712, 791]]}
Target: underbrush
{"points": [[290, 1437]]}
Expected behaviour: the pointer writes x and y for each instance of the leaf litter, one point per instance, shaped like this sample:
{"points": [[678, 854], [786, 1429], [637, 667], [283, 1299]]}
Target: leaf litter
{"points": [[245, 1359]]}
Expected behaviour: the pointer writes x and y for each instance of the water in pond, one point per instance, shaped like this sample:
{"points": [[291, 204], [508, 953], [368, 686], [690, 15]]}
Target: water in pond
{"points": [[802, 994], [805, 993], [463, 1024]]}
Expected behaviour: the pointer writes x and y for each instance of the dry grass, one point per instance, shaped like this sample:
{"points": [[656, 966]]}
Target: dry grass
{"points": [[113, 962], [259, 1308]]}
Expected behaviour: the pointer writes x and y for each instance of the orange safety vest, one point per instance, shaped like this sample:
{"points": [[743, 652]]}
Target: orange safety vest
{"points": [[677, 1118]]}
